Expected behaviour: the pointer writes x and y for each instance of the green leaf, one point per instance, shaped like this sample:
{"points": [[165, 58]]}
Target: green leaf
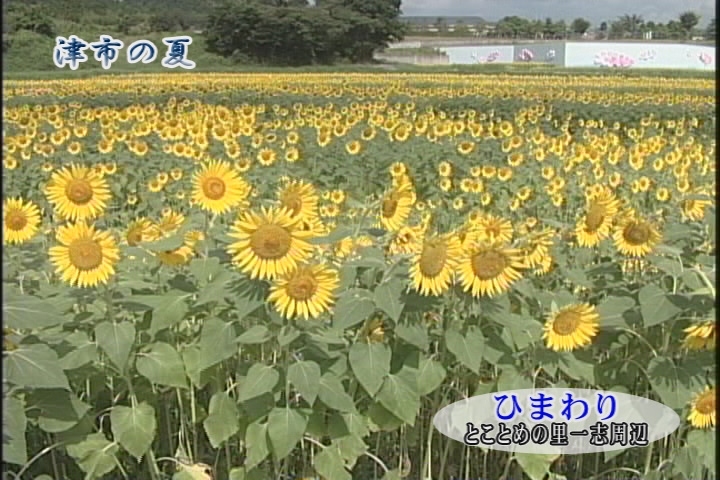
{"points": [[285, 428], [674, 384], [84, 351], [256, 444], [260, 379], [27, 313], [332, 393], [393, 475], [370, 362], [223, 420], [116, 340], [254, 335], [170, 243], [388, 297], [14, 424], [59, 410], [415, 335], [536, 466], [524, 330], [399, 398], [167, 309], [162, 365], [134, 427], [577, 369], [704, 441], [611, 311], [34, 366], [655, 306], [352, 307], [430, 376], [95, 455], [467, 349], [217, 342], [305, 376], [204, 268], [671, 266], [329, 464]]}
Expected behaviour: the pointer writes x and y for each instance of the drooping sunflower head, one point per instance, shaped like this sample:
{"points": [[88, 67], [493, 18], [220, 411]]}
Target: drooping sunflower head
{"points": [[140, 230], [21, 220], [635, 236], [396, 207], [170, 222], [432, 269], [78, 193], [537, 247], [300, 199], [489, 268], [702, 409], [571, 327], [85, 256], [306, 291], [269, 243], [217, 187], [700, 336]]}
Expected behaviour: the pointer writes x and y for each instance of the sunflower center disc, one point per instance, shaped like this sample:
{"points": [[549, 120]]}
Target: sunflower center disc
{"points": [[595, 217], [293, 203], [389, 207], [706, 404], [16, 220], [488, 265], [637, 233], [214, 188], [302, 287], [270, 242], [79, 191], [85, 254], [566, 323], [432, 259]]}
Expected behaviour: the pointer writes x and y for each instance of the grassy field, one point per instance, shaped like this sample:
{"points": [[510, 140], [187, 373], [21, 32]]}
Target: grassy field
{"points": [[265, 273]]}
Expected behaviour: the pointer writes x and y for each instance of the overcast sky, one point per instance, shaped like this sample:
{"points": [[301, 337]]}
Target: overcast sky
{"points": [[594, 10]]}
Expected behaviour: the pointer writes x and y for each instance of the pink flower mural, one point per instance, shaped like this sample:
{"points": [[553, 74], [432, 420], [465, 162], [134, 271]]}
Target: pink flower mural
{"points": [[705, 58], [492, 56], [614, 59], [526, 55]]}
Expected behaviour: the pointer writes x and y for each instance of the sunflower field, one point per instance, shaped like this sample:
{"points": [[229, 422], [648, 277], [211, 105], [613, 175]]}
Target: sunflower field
{"points": [[284, 276]]}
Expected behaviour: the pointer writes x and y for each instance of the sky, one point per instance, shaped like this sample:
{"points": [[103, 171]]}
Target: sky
{"points": [[594, 10]]}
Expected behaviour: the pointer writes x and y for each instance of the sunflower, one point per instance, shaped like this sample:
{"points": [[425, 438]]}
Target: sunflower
{"points": [[170, 222], [218, 188], [702, 409], [445, 169], [140, 230], [78, 193], [432, 268], [602, 206], [695, 209], [300, 199], [406, 239], [86, 257], [266, 157], [537, 248], [306, 291], [571, 327], [465, 148], [494, 228], [178, 256], [396, 206], [354, 147], [635, 236], [269, 243], [700, 336], [20, 220], [155, 185], [374, 330], [489, 268]]}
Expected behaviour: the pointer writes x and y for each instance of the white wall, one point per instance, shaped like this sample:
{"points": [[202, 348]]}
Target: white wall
{"points": [[479, 54], [640, 55]]}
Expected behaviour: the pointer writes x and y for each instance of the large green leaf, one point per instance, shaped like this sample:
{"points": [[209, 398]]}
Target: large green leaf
{"points": [[536, 466], [26, 312], [577, 369], [353, 307], [162, 365], [388, 297], [84, 351], [399, 398], [260, 379], [167, 309], [217, 342], [116, 340], [370, 363], [329, 464], [59, 410], [204, 268], [332, 393], [34, 366], [704, 441], [611, 311], [430, 376], [223, 420], [285, 428], [254, 335], [134, 427], [414, 335], [674, 384], [655, 306], [305, 376], [14, 424], [256, 444], [95, 455], [467, 349]]}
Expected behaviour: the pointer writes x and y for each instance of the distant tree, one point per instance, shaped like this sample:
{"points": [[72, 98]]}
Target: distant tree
{"points": [[561, 29], [710, 30], [688, 21], [441, 24], [604, 29], [579, 26], [29, 17], [627, 26]]}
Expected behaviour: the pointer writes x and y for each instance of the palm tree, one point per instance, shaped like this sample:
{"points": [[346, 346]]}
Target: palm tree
{"points": [[631, 24]]}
